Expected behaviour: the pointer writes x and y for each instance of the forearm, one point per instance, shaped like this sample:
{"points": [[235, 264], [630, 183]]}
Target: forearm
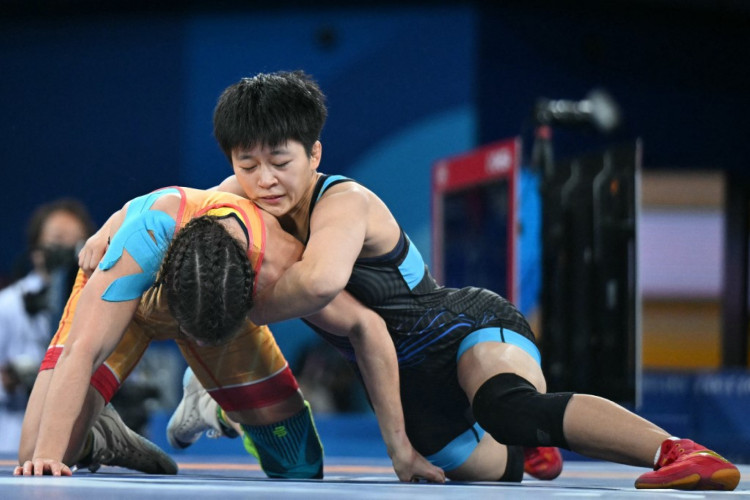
{"points": [[62, 406], [96, 330], [378, 364], [376, 359], [297, 293]]}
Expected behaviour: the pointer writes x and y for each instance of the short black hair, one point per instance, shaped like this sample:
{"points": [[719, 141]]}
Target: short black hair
{"points": [[270, 109]]}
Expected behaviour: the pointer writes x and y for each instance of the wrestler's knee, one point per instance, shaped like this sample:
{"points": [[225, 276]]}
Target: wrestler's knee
{"points": [[511, 409]]}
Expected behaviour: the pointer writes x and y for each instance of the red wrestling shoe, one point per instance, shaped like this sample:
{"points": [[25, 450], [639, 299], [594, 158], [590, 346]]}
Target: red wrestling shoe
{"points": [[686, 465], [544, 462]]}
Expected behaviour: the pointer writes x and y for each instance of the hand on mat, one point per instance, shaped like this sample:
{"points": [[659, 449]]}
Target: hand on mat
{"points": [[93, 251], [414, 468], [42, 467]]}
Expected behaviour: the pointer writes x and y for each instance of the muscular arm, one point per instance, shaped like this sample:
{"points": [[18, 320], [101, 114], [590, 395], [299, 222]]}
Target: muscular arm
{"points": [[376, 359], [338, 228], [97, 328]]}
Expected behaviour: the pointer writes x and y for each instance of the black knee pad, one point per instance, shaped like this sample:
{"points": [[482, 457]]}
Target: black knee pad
{"points": [[514, 466], [514, 413]]}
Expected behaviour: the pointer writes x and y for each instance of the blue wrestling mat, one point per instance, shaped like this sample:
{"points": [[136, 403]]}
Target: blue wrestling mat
{"points": [[346, 478], [708, 407]]}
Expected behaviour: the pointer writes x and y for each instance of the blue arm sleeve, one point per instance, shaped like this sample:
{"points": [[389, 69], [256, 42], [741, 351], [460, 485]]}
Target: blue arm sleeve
{"points": [[135, 236]]}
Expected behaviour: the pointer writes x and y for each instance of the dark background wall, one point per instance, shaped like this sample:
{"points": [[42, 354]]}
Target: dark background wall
{"points": [[107, 102], [678, 69]]}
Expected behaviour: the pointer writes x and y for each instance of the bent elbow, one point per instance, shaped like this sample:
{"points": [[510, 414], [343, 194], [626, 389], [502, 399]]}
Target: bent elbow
{"points": [[321, 290], [321, 294]]}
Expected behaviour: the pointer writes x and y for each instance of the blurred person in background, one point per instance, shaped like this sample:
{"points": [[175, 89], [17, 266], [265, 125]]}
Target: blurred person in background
{"points": [[31, 306]]}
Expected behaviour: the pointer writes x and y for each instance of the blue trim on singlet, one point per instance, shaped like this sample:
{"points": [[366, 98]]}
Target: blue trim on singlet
{"points": [[412, 268], [330, 179], [458, 451], [498, 334]]}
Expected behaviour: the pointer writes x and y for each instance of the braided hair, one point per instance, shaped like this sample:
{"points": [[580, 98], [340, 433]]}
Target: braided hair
{"points": [[208, 281]]}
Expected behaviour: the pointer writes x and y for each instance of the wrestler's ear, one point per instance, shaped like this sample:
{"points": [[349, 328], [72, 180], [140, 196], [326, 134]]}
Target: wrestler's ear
{"points": [[315, 154]]}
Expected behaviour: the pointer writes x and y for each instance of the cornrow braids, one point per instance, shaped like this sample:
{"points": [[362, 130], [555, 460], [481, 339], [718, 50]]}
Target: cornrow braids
{"points": [[208, 281]]}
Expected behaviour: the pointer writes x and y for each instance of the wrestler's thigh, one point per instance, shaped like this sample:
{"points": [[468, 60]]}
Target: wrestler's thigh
{"points": [[487, 359], [248, 376]]}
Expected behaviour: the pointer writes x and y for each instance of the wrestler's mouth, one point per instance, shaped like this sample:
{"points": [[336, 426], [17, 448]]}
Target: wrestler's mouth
{"points": [[272, 200]]}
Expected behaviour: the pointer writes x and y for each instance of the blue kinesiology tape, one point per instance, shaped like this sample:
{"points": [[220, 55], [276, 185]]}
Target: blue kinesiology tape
{"points": [[145, 234]]}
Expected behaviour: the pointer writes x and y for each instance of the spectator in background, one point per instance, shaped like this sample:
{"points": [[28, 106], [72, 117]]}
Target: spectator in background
{"points": [[31, 307]]}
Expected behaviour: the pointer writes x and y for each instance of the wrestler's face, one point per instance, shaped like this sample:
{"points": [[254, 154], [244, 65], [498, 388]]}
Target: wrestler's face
{"points": [[278, 179]]}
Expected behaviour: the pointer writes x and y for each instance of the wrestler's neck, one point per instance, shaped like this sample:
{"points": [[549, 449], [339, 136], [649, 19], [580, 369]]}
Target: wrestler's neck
{"points": [[297, 221], [281, 251]]}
